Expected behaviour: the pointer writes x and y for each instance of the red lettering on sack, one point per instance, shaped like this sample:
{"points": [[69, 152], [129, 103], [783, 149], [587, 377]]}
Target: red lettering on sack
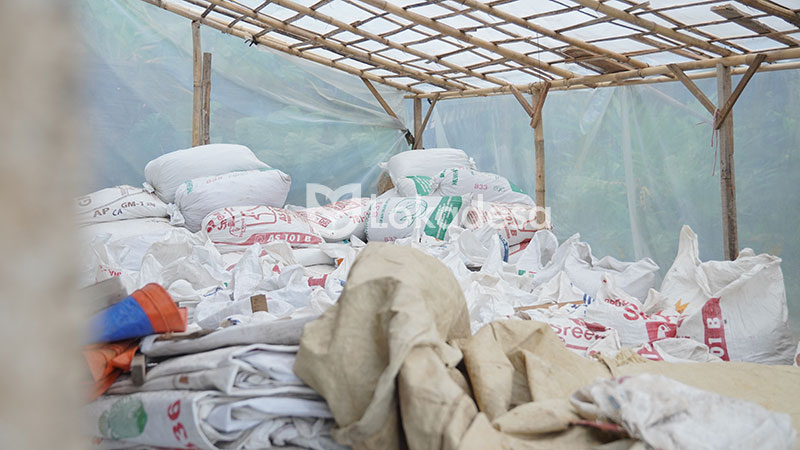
{"points": [[290, 237], [174, 410], [178, 430], [312, 281], [660, 330], [630, 313], [649, 352], [714, 327]]}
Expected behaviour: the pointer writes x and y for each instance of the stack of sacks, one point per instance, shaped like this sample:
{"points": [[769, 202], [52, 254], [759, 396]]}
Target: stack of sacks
{"points": [[235, 397], [391, 216], [203, 179], [424, 163], [712, 311], [120, 217], [490, 200]]}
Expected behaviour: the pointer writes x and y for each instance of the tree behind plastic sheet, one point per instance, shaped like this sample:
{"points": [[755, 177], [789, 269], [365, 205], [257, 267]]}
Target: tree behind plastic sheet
{"points": [[39, 125], [626, 167], [314, 123]]}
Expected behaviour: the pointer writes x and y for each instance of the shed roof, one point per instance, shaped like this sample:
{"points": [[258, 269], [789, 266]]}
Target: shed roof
{"points": [[461, 48]]}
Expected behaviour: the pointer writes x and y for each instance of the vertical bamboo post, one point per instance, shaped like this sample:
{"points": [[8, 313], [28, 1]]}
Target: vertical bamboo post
{"points": [[417, 123], [206, 103], [196, 84], [726, 171], [538, 138]]}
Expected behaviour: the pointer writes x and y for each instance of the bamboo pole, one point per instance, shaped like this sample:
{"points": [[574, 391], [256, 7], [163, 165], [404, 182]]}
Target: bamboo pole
{"points": [[681, 76], [417, 123], [483, 7], [728, 105], [409, 137], [243, 33], [464, 37], [538, 140], [652, 26], [197, 88], [377, 38], [380, 99], [266, 21], [537, 108], [427, 116], [726, 169], [618, 77], [522, 101], [206, 104]]}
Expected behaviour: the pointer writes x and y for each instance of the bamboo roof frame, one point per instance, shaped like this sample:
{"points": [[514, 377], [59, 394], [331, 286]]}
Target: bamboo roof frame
{"points": [[465, 48]]}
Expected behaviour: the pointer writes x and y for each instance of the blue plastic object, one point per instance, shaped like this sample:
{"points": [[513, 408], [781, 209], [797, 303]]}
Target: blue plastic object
{"points": [[123, 320]]}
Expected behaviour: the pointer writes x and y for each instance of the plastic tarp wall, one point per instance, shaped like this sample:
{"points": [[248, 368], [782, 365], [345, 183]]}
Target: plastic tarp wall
{"points": [[626, 167], [317, 124]]}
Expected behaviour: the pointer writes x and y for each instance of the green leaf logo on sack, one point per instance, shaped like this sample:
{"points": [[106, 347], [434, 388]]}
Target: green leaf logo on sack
{"points": [[125, 419], [423, 184], [516, 188], [407, 211], [442, 217]]}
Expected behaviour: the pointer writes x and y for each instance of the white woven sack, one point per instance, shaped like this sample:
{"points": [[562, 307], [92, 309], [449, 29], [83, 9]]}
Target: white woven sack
{"points": [[197, 197], [164, 174]]}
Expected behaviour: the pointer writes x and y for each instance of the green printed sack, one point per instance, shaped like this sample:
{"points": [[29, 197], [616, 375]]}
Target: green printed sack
{"points": [[400, 217], [411, 186], [488, 186]]}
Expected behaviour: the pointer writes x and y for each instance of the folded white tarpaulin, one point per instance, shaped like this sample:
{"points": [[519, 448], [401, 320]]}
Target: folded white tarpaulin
{"points": [[280, 332], [206, 419], [253, 370]]}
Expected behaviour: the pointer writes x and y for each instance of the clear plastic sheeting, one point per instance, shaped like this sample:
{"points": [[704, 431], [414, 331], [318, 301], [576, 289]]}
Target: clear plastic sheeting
{"points": [[317, 124], [626, 167]]}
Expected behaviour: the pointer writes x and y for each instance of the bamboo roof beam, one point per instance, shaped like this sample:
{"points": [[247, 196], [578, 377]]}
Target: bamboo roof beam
{"points": [[631, 82], [267, 21], [464, 37], [242, 33], [256, 9], [664, 47], [365, 34], [771, 56], [603, 19], [680, 26], [500, 14], [653, 27], [733, 14], [695, 75], [774, 10]]}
